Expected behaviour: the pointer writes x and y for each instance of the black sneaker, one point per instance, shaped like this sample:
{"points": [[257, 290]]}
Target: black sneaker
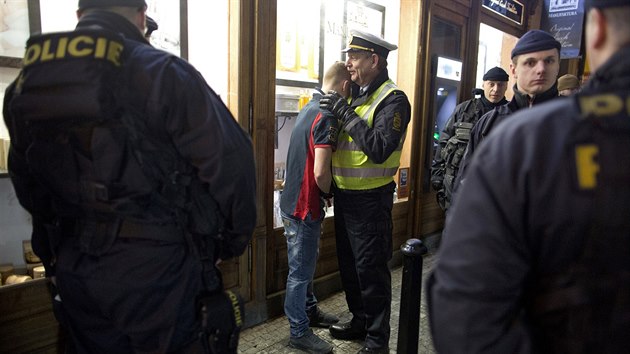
{"points": [[311, 343], [318, 318]]}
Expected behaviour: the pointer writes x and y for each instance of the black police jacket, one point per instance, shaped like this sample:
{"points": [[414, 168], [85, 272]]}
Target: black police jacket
{"points": [[469, 111], [522, 214], [180, 109]]}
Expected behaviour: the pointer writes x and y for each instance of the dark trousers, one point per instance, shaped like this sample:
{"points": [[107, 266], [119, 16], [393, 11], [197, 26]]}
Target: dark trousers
{"points": [[139, 297], [363, 227]]}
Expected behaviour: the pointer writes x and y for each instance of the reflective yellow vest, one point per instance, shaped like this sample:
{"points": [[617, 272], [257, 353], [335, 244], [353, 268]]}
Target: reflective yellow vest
{"points": [[351, 167]]}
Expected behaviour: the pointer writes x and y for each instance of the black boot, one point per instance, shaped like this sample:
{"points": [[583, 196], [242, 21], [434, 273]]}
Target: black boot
{"points": [[348, 330]]}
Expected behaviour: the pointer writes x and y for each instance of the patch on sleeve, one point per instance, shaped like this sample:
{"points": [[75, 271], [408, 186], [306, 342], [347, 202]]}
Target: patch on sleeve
{"points": [[333, 133], [397, 121]]}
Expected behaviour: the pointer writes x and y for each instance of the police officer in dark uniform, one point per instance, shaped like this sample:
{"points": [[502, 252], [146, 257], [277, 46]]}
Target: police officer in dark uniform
{"points": [[374, 123], [456, 132], [535, 258], [138, 180], [535, 65]]}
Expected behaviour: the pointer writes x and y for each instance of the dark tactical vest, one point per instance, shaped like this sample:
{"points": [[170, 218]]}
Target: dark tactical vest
{"points": [[586, 308], [92, 152], [453, 151]]}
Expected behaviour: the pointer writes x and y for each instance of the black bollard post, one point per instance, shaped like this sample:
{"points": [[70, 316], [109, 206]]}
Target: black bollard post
{"points": [[409, 320]]}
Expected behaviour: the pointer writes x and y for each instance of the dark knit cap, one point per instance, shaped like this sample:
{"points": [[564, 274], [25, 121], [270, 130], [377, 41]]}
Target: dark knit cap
{"points": [[84, 4], [535, 41], [496, 74], [606, 3]]}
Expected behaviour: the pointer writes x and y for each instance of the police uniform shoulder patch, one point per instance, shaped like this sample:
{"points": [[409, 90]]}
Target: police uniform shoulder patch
{"points": [[397, 121]]}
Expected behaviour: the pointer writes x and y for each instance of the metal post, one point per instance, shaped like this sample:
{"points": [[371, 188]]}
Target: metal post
{"points": [[409, 320]]}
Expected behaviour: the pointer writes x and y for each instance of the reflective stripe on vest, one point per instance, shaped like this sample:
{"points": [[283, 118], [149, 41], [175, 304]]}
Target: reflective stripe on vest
{"points": [[352, 169]]}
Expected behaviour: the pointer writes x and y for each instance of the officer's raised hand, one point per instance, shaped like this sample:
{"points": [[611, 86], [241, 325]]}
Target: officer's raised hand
{"points": [[337, 105]]}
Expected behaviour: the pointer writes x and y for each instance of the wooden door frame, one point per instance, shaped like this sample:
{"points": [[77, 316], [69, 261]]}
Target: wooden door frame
{"points": [[422, 106], [251, 95]]}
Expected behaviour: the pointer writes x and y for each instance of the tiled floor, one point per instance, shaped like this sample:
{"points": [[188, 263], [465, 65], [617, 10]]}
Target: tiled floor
{"points": [[273, 335]]}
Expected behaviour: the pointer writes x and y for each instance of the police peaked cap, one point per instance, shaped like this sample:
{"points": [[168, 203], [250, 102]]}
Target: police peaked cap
{"points": [[535, 41], [360, 40], [84, 4], [496, 74], [606, 3]]}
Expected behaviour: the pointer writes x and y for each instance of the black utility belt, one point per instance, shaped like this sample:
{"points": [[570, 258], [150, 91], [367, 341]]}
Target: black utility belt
{"points": [[124, 228], [389, 187]]}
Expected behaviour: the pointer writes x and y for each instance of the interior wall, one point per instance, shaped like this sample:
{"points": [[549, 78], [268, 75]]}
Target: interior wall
{"points": [[15, 225]]}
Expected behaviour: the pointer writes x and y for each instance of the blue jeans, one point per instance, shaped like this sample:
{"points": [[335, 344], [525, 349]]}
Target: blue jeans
{"points": [[302, 251]]}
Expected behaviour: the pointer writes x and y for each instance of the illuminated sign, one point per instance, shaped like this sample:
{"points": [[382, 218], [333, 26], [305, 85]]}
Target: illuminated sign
{"points": [[564, 19], [510, 9], [449, 69]]}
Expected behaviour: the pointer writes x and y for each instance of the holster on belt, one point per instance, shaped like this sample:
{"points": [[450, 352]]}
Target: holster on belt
{"points": [[221, 316]]}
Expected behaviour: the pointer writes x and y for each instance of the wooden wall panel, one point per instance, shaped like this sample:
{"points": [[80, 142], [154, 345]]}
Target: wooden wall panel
{"points": [[432, 215], [230, 274], [27, 323], [467, 3], [452, 7]]}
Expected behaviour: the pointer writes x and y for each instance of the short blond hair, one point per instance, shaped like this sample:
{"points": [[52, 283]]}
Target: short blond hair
{"points": [[617, 18], [335, 74]]}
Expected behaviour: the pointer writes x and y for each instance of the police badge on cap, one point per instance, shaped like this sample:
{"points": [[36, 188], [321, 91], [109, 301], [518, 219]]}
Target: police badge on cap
{"points": [[360, 40]]}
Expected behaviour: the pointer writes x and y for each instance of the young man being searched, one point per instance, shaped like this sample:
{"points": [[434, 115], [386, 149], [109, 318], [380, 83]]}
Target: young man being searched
{"points": [[307, 183]]}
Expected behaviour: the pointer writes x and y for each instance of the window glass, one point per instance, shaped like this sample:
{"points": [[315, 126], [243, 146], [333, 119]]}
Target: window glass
{"points": [[14, 27], [208, 42], [58, 15], [495, 47], [167, 15], [446, 64]]}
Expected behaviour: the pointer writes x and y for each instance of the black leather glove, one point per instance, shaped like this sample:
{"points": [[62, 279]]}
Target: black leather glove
{"points": [[326, 195], [436, 184], [337, 105]]}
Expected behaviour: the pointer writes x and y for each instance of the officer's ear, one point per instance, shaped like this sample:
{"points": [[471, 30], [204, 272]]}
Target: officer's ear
{"points": [[345, 88], [141, 19], [375, 60], [513, 67], [596, 30]]}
